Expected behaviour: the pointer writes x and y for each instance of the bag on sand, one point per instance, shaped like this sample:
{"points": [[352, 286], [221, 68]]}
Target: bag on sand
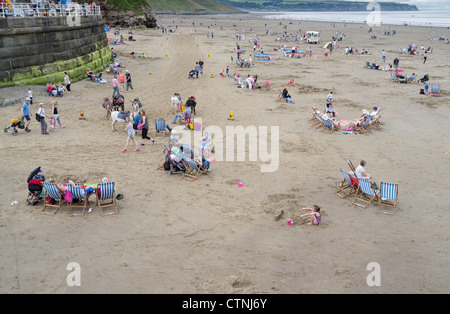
{"points": [[167, 165]]}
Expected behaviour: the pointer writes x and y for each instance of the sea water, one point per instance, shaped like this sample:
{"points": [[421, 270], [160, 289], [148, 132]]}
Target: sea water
{"points": [[432, 17]]}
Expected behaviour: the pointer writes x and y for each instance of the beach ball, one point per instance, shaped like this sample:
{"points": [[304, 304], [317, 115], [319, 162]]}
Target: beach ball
{"points": [[240, 184]]}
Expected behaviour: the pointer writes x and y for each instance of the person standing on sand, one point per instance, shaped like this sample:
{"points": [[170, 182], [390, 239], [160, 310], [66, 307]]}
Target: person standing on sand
{"points": [[196, 69], [26, 114], [396, 62], [115, 85], [425, 54], [128, 78], [67, 82], [200, 63], [122, 80], [131, 136], [383, 56]]}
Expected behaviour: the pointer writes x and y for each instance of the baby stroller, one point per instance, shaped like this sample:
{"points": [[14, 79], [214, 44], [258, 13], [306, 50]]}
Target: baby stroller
{"points": [[191, 74], [15, 123], [174, 161], [424, 79], [35, 186], [118, 101]]}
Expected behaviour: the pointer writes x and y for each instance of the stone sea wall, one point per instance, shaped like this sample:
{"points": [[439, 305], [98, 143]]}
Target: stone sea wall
{"points": [[34, 51]]}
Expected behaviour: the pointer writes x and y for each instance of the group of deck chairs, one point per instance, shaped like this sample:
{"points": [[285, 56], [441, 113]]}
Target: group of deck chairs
{"points": [[365, 193], [79, 199], [371, 122], [184, 163]]}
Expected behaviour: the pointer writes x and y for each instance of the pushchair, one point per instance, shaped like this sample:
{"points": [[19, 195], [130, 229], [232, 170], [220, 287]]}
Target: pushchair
{"points": [[35, 186], [15, 123], [173, 162], [424, 79], [191, 74]]}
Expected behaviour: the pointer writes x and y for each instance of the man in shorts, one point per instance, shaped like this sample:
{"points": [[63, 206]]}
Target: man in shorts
{"points": [[26, 113]]}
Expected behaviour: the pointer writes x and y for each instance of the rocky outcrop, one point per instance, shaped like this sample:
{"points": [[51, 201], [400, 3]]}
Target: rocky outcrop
{"points": [[114, 17]]}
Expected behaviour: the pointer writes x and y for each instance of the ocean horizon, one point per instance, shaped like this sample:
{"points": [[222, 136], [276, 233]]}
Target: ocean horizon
{"points": [[432, 18]]}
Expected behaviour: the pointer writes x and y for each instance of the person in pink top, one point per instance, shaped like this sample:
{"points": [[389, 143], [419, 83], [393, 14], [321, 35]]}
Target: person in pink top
{"points": [[115, 84], [122, 80]]}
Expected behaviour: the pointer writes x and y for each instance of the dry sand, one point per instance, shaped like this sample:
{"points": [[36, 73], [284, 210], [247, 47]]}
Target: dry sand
{"points": [[210, 236]]}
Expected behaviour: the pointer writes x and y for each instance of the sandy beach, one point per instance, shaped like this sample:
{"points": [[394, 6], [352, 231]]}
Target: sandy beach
{"points": [[209, 235]]}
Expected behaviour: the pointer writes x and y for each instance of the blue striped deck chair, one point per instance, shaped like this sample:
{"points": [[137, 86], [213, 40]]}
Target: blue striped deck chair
{"points": [[319, 122], [365, 194], [366, 126], [328, 126], [188, 153], [435, 90], [160, 125], [80, 195], [52, 191], [393, 77], [207, 146], [350, 165], [347, 187], [193, 170], [107, 198], [388, 198]]}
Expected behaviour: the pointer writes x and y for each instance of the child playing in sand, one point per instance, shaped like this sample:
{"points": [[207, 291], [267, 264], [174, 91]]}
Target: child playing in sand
{"points": [[316, 217]]}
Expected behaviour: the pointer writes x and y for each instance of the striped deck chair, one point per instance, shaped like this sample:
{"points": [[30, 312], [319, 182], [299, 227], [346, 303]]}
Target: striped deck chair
{"points": [[328, 126], [207, 146], [52, 191], [80, 195], [350, 164], [365, 194], [347, 187], [318, 123], [160, 125], [388, 198], [194, 170], [313, 118], [188, 153], [107, 198], [375, 123], [365, 126], [393, 77]]}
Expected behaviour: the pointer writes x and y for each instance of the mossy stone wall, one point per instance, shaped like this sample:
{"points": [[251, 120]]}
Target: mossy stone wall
{"points": [[34, 51]]}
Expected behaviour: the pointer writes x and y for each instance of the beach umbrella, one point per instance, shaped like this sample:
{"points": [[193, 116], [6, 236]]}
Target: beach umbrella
{"points": [[327, 45], [399, 70]]}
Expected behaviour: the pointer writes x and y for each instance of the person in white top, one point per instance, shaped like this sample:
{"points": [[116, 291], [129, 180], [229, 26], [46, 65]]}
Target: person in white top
{"points": [[67, 82], [42, 115], [330, 97], [30, 95], [361, 173]]}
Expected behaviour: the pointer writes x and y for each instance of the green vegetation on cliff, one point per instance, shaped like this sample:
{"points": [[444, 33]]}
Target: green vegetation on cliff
{"points": [[189, 6]]}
